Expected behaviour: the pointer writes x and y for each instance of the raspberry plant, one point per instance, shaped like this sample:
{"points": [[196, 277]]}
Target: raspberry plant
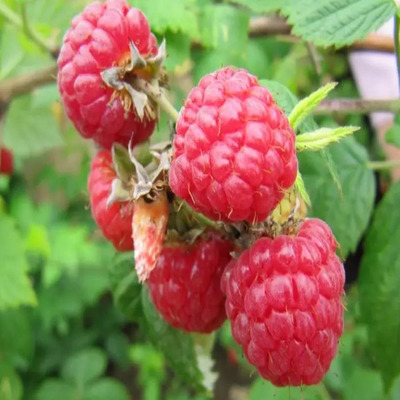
{"points": [[193, 188]]}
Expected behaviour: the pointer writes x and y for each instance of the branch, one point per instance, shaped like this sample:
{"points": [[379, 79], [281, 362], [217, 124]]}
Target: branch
{"points": [[273, 25], [357, 106], [25, 83]]}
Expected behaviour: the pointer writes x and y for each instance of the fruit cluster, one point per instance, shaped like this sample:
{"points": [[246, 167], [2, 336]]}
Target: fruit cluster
{"points": [[216, 223]]}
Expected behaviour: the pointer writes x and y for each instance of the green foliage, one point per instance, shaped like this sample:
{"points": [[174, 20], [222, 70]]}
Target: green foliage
{"points": [[379, 283], [177, 347], [337, 22], [31, 128], [347, 212], [260, 6], [10, 384], [304, 107], [81, 380], [393, 134], [287, 101], [15, 288]]}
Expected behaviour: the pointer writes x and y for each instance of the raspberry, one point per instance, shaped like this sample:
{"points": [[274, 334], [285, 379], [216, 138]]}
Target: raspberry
{"points": [[284, 303], [185, 285], [115, 221], [6, 161], [99, 39], [234, 151]]}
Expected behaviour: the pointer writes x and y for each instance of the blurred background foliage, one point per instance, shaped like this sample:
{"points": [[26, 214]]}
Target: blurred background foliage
{"points": [[74, 322]]}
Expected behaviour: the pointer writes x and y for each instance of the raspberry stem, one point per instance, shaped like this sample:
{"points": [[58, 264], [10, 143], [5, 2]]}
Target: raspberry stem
{"points": [[158, 96], [383, 165]]}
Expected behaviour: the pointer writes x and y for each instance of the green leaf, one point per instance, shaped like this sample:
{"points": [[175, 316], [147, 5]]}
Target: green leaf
{"points": [[305, 106], [178, 46], [15, 349], [53, 389], [322, 137], [348, 212], [125, 286], [337, 22], [364, 384], [262, 389], [379, 284], [10, 384], [15, 288], [177, 347], [225, 32], [287, 101], [106, 389], [84, 367], [260, 6], [31, 129], [393, 134], [299, 184], [180, 17]]}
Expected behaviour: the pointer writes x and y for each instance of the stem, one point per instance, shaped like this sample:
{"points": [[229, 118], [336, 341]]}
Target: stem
{"points": [[23, 23], [25, 83], [35, 36], [383, 165], [10, 15], [397, 44], [158, 97], [357, 106]]}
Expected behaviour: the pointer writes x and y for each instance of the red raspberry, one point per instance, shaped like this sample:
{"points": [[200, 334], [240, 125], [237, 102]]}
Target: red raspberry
{"points": [[185, 285], [6, 161], [234, 151], [284, 303], [99, 39], [115, 221]]}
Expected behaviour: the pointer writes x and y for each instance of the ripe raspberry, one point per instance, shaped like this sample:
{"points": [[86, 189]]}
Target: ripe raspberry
{"points": [[185, 285], [115, 221], [99, 39], [284, 303], [6, 161], [234, 151]]}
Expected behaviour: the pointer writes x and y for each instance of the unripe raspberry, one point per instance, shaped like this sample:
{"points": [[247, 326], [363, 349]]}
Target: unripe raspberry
{"points": [[185, 285], [284, 300], [114, 221], [6, 161], [234, 151], [97, 40]]}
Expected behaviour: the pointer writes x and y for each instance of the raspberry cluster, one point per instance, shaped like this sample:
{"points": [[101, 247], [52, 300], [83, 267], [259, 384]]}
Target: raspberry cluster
{"points": [[6, 161], [274, 274]]}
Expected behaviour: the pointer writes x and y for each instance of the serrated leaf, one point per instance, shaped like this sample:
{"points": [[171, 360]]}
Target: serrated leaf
{"points": [[177, 347], [181, 16], [15, 288], [287, 101], [379, 284], [126, 287], [322, 137], [10, 384], [348, 212], [85, 366], [337, 22], [107, 389], [31, 129], [305, 106]]}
